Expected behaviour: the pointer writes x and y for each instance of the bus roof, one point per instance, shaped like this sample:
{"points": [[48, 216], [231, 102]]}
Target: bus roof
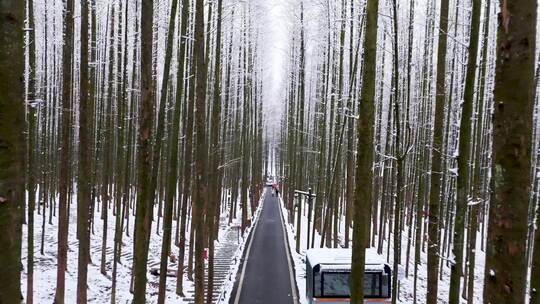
{"points": [[341, 256]]}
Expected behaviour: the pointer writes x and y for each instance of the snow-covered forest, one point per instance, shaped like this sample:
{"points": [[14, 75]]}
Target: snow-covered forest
{"points": [[143, 142]]}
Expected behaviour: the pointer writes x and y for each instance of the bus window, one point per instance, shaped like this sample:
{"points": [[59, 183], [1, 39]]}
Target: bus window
{"points": [[336, 284], [317, 284], [385, 286], [372, 282]]}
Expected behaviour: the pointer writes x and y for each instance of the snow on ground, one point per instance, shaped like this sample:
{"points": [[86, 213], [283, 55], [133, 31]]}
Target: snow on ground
{"points": [[99, 286], [406, 287]]}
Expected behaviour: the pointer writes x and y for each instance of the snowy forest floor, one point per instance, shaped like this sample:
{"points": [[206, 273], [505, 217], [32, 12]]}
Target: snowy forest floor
{"points": [[99, 286], [406, 284]]}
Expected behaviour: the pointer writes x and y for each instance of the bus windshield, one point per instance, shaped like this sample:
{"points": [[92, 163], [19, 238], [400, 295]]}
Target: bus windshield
{"points": [[336, 284]]}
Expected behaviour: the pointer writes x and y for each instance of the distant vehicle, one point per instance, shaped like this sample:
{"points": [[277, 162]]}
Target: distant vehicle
{"points": [[270, 181], [328, 271]]}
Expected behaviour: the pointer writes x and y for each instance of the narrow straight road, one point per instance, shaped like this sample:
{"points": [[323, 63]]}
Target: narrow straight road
{"points": [[265, 275]]}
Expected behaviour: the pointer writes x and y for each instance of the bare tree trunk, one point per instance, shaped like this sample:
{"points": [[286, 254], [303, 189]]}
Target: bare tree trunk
{"points": [[436, 161], [31, 140], [12, 154], [64, 154], [301, 106], [145, 197], [400, 154], [215, 157], [364, 158], [171, 187], [84, 186], [200, 186], [188, 152], [512, 127], [463, 160]]}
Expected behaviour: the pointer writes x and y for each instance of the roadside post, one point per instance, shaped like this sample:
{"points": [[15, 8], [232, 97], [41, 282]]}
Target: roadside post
{"points": [[309, 194]]}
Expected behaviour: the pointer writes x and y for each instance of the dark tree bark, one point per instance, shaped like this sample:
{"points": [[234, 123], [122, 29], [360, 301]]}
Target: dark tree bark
{"points": [[123, 181], [84, 187], [171, 184], [244, 184], [145, 197], [188, 147], [512, 127], [32, 143], [301, 106], [65, 150], [200, 186], [436, 162], [215, 157], [400, 154], [13, 147], [465, 139], [364, 158], [478, 191]]}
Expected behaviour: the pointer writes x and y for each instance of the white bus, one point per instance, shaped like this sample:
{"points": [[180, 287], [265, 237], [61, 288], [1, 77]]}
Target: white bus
{"points": [[328, 271]]}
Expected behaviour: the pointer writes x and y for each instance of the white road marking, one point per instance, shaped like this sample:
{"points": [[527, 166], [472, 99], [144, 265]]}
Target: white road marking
{"points": [[291, 275], [239, 290]]}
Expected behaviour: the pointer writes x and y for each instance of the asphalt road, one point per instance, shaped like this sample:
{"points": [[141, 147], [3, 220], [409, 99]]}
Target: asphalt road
{"points": [[266, 278]]}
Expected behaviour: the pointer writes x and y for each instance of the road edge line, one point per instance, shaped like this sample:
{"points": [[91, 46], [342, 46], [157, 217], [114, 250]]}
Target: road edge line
{"points": [[289, 262], [244, 262]]}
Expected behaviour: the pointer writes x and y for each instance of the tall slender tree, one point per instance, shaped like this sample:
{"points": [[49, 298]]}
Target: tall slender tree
{"points": [[400, 154], [12, 151], [200, 186], [301, 107], [364, 158], [512, 140], [171, 187], [145, 197], [436, 161], [84, 187], [463, 159], [215, 155], [64, 179], [31, 141], [188, 147]]}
